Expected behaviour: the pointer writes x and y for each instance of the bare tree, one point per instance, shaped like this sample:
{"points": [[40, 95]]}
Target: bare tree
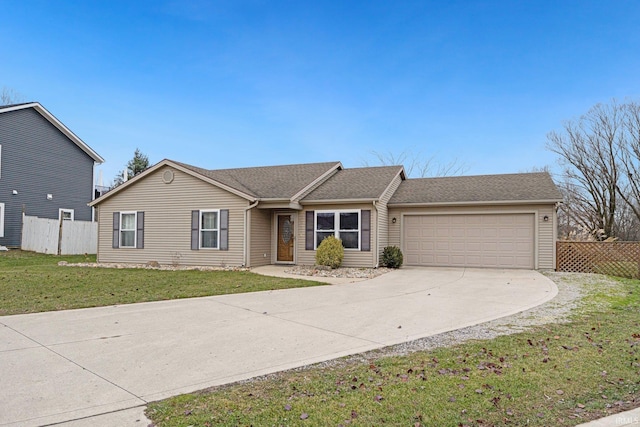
{"points": [[629, 149], [415, 165], [9, 96], [589, 149]]}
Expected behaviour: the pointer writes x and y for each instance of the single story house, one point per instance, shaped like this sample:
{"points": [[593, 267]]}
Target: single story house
{"points": [[174, 213]]}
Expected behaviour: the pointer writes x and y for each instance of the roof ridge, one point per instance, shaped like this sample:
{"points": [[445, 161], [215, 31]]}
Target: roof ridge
{"points": [[275, 166], [481, 175]]}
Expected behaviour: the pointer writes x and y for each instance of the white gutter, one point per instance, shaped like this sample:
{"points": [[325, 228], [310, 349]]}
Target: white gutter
{"points": [[245, 242], [473, 203]]}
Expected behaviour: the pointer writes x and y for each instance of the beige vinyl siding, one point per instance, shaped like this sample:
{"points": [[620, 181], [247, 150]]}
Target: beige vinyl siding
{"points": [[544, 231], [352, 258], [167, 227], [546, 238], [260, 237], [383, 215]]}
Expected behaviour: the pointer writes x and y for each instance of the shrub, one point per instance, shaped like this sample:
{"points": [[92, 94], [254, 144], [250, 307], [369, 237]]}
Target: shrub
{"points": [[330, 252], [392, 257]]}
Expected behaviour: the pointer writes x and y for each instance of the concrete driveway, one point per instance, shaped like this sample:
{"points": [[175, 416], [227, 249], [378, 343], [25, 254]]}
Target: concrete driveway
{"points": [[76, 364]]}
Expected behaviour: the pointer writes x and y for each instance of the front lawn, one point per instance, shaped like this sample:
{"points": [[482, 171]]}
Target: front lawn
{"points": [[553, 375], [31, 283]]}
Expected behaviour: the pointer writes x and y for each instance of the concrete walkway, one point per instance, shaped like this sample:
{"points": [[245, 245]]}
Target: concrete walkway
{"points": [[75, 365], [623, 419]]}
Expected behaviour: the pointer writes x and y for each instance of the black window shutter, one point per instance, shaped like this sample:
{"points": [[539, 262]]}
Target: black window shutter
{"points": [[365, 230], [309, 232], [140, 231], [116, 230], [195, 230], [224, 229]]}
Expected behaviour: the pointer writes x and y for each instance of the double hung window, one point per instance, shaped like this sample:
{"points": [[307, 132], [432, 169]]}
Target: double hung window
{"points": [[128, 221], [210, 229], [344, 225]]}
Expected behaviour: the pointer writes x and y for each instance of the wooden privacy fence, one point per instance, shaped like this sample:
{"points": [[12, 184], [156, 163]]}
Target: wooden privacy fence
{"points": [[52, 236], [613, 258]]}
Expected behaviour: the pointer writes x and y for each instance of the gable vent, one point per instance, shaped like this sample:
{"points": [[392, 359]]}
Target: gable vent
{"points": [[167, 176]]}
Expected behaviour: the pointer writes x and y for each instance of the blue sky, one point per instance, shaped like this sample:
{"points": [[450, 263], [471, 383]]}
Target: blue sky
{"points": [[237, 83]]}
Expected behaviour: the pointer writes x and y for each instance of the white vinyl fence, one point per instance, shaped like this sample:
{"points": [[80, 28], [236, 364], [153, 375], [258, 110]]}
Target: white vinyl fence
{"points": [[52, 236]]}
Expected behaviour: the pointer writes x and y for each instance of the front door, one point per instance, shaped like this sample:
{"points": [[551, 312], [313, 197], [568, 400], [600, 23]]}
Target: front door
{"points": [[285, 238]]}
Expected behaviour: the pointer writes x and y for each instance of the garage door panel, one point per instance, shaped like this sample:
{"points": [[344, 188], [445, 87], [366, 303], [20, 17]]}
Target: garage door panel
{"points": [[490, 260], [412, 246], [490, 233], [474, 246], [471, 259], [478, 240], [427, 232], [459, 233], [489, 246], [506, 246], [442, 245], [457, 246]]}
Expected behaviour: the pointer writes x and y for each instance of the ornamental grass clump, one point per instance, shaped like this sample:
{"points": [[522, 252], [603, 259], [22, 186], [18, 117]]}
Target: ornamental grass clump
{"points": [[392, 257], [330, 252]]}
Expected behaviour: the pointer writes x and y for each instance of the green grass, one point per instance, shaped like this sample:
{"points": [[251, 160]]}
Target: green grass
{"points": [[31, 283], [628, 269], [555, 375]]}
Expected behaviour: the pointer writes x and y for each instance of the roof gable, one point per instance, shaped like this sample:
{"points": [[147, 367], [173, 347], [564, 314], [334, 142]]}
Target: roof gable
{"points": [[368, 183], [55, 122], [270, 182], [258, 183], [523, 187]]}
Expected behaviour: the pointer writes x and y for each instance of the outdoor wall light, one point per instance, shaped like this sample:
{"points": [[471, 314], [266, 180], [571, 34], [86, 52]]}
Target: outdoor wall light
{"points": [[14, 192], [49, 196], [546, 218], [393, 220]]}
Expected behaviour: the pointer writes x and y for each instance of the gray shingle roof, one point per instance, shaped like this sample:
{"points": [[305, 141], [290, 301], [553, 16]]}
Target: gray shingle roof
{"points": [[267, 182], [482, 188], [351, 184], [13, 105]]}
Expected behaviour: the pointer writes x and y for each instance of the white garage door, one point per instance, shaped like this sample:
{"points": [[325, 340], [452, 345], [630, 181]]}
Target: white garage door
{"points": [[487, 240]]}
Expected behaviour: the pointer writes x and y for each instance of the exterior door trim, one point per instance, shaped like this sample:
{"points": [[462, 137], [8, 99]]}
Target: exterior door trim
{"points": [[289, 236]]}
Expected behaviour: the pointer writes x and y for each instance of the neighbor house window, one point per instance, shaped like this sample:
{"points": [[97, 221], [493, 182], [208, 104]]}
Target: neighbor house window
{"points": [[66, 214], [128, 222], [210, 229], [344, 225]]}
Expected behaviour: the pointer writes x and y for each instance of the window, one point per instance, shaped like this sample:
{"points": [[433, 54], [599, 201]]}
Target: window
{"points": [[345, 225], [209, 229], [1, 219], [128, 229], [66, 214]]}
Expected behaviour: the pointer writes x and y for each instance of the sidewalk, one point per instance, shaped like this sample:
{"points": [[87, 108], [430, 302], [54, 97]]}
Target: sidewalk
{"points": [[623, 419]]}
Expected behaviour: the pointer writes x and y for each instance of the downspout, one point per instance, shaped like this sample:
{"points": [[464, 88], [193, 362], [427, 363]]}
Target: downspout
{"points": [[246, 233], [93, 191], [377, 236]]}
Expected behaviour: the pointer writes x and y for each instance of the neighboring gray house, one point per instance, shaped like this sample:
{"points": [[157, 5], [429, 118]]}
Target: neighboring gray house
{"points": [[45, 170], [174, 213]]}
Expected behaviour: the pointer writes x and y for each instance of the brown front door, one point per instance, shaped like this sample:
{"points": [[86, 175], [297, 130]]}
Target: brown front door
{"points": [[285, 238]]}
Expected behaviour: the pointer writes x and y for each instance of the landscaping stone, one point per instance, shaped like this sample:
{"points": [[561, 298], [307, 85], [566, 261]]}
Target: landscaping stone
{"points": [[342, 272]]}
